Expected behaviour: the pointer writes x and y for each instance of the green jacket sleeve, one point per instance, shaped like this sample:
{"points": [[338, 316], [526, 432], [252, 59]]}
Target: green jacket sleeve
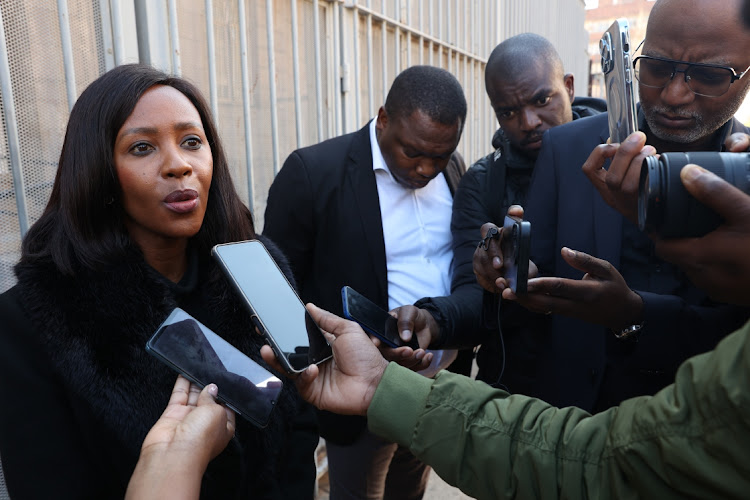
{"points": [[691, 440]]}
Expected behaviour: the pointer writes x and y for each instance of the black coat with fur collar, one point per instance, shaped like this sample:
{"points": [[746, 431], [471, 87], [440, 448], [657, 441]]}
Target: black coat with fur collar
{"points": [[79, 392]]}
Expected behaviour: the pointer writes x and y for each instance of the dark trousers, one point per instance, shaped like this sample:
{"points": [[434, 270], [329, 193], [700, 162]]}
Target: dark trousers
{"points": [[374, 469]]}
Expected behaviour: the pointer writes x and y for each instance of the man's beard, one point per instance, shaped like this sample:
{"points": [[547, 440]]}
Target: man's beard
{"points": [[704, 125]]}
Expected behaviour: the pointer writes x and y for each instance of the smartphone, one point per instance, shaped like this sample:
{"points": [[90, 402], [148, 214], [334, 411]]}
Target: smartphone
{"points": [[617, 66], [516, 246], [190, 348], [275, 308], [373, 319]]}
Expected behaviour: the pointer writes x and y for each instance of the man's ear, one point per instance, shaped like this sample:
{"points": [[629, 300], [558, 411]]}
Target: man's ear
{"points": [[570, 86], [382, 120]]}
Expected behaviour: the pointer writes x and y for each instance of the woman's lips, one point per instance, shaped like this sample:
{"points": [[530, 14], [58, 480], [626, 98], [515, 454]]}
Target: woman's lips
{"points": [[182, 201]]}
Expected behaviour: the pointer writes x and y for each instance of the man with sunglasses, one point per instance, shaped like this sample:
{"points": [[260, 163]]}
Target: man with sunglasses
{"points": [[620, 328]]}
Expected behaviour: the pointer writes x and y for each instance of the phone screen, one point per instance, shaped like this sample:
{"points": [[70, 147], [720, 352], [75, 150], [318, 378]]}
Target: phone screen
{"points": [[192, 349], [373, 319], [516, 245], [277, 309]]}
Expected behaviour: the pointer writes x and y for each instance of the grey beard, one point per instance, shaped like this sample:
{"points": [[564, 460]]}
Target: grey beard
{"points": [[704, 125]]}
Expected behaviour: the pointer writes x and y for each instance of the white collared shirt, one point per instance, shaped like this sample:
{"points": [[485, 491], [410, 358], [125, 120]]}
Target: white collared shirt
{"points": [[416, 230]]}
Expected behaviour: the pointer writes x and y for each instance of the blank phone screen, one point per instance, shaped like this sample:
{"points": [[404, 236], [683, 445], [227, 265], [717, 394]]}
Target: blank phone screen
{"points": [[259, 280], [373, 318], [202, 356]]}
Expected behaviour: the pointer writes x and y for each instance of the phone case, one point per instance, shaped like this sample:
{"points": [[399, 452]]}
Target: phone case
{"points": [[516, 247], [203, 357], [250, 268], [617, 66], [368, 315]]}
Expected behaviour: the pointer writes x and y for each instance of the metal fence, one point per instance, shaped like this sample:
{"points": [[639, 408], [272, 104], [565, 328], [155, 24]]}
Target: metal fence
{"points": [[279, 74]]}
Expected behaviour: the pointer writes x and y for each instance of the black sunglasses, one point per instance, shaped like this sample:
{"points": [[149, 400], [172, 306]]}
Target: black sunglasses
{"points": [[709, 80]]}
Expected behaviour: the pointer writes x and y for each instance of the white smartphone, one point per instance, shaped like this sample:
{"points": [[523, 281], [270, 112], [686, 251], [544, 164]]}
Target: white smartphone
{"points": [[617, 66], [190, 348], [276, 309]]}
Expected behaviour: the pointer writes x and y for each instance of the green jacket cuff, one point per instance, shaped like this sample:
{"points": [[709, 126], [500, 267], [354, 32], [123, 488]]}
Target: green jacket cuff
{"points": [[398, 401]]}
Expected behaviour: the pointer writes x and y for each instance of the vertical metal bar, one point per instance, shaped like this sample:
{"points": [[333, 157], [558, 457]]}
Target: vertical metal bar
{"points": [[67, 52], [397, 35], [272, 83], [421, 30], [337, 62], [295, 69], [432, 33], [408, 36], [11, 128], [318, 75], [355, 69], [105, 14], [384, 58], [174, 38], [246, 101], [370, 71], [118, 38], [211, 49]]}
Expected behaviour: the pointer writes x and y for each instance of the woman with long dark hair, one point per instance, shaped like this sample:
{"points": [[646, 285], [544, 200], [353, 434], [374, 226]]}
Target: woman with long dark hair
{"points": [[142, 193]]}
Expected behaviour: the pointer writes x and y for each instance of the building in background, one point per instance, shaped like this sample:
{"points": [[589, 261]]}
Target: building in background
{"points": [[599, 16], [279, 74]]}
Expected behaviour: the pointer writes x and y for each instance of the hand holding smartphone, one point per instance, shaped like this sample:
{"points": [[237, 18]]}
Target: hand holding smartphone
{"points": [[276, 309], [516, 246], [373, 319], [617, 66], [200, 355]]}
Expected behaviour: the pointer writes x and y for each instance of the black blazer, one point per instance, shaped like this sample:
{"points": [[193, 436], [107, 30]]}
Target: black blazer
{"points": [[566, 210], [323, 212]]}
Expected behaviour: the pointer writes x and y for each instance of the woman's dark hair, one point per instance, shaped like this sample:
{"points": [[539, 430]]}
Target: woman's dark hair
{"points": [[82, 224]]}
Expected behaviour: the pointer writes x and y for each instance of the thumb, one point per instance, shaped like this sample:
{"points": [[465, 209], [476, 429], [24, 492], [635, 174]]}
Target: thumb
{"points": [[208, 395], [716, 193], [328, 321]]}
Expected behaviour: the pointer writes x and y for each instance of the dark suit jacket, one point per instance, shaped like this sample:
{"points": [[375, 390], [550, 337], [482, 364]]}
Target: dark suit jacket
{"points": [[566, 210], [323, 212]]}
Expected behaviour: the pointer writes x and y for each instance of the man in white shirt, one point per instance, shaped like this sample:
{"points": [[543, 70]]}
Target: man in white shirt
{"points": [[372, 210]]}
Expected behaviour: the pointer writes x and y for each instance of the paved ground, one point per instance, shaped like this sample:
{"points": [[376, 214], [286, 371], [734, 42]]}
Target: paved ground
{"points": [[437, 489]]}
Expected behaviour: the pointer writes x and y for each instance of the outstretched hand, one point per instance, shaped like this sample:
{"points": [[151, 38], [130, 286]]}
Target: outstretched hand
{"points": [[719, 261], [346, 383], [601, 296], [192, 431]]}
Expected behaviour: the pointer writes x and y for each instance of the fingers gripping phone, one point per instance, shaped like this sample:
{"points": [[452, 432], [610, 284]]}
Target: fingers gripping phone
{"points": [[200, 355], [276, 309], [617, 66], [373, 319], [516, 245]]}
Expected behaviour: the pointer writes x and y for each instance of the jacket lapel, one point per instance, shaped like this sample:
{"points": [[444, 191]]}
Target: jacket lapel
{"points": [[607, 222], [361, 178]]}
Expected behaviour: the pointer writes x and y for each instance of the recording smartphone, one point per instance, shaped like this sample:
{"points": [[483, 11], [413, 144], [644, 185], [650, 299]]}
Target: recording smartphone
{"points": [[617, 66], [200, 355], [373, 319], [276, 309], [516, 245]]}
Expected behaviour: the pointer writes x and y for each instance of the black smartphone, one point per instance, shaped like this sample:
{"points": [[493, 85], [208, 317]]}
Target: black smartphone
{"points": [[373, 319], [617, 66], [190, 348], [516, 245], [276, 309]]}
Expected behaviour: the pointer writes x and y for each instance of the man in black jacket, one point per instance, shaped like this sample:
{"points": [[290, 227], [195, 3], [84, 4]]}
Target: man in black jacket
{"points": [[530, 93], [368, 210]]}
